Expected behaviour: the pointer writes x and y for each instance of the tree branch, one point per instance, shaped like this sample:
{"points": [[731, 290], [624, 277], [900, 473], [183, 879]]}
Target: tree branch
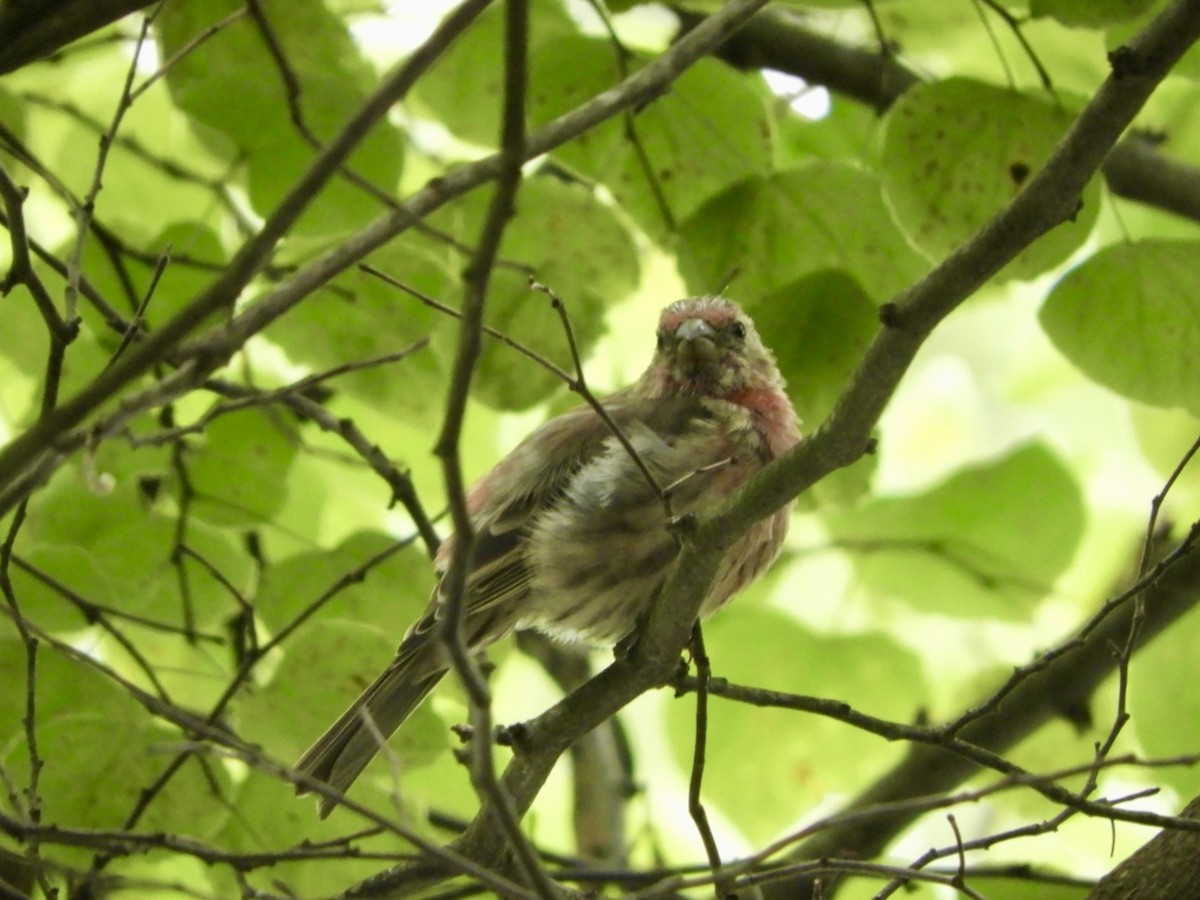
{"points": [[37, 28], [1165, 868]]}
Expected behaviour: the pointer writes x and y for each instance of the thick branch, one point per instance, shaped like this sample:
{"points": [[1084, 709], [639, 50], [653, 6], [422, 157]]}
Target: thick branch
{"points": [[33, 29], [1166, 868], [1137, 171], [777, 39]]}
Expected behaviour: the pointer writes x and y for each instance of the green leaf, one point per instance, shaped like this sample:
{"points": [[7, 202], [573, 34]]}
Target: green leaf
{"points": [[711, 130], [194, 256], [359, 318], [333, 80], [845, 133], [767, 232], [174, 877], [819, 327], [93, 531], [714, 5], [129, 750], [1016, 888], [26, 343], [1164, 436], [324, 668], [766, 766], [476, 60], [956, 152], [1089, 13], [239, 475], [392, 595], [1165, 708], [988, 542], [574, 244], [60, 683], [1126, 317], [13, 118]]}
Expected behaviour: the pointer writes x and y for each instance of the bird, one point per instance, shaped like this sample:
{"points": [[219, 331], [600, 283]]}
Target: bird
{"points": [[572, 535]]}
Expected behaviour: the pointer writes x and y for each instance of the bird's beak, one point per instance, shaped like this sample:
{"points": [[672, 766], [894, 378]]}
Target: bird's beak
{"points": [[696, 345]]}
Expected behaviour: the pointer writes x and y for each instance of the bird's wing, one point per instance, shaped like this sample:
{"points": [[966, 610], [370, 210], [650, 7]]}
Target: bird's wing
{"points": [[536, 473]]}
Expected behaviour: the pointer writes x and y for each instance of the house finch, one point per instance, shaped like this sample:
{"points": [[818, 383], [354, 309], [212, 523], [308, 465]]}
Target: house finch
{"points": [[573, 539]]}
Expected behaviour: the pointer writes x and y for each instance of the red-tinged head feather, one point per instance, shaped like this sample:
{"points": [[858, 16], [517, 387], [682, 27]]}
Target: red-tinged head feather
{"points": [[717, 311], [708, 347]]}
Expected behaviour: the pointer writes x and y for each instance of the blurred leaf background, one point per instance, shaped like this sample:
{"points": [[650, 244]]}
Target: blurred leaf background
{"points": [[1007, 498]]}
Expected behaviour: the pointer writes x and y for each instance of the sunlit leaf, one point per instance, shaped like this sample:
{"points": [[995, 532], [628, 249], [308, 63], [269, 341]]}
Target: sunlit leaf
{"points": [[568, 240], [1168, 722], [956, 152], [476, 59], [125, 749], [819, 327], [710, 131], [390, 594], [93, 533], [1123, 317], [765, 766], [323, 669], [1017, 888], [332, 78], [765, 233], [987, 542], [239, 473], [360, 318]]}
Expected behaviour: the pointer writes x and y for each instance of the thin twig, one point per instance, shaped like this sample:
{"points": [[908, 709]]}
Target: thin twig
{"points": [[547, 364], [579, 385], [21, 270], [219, 740], [29, 800], [208, 726], [83, 214], [188, 47], [1014, 25], [137, 325], [92, 612], [1156, 507], [699, 746]]}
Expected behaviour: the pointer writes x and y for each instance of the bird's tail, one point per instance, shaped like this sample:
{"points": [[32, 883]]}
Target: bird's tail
{"points": [[342, 752]]}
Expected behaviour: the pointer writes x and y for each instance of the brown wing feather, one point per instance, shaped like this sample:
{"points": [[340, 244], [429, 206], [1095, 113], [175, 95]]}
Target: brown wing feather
{"points": [[535, 474]]}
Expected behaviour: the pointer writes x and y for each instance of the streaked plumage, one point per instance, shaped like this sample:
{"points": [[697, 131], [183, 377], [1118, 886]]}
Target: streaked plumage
{"points": [[572, 539]]}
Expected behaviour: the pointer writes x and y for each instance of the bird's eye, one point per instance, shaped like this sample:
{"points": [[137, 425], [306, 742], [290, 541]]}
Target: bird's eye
{"points": [[738, 330]]}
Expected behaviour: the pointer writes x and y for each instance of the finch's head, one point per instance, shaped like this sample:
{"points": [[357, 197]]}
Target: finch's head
{"points": [[708, 346]]}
